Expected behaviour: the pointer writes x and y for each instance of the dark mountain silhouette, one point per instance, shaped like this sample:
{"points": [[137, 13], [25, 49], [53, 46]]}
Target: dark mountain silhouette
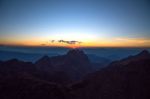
{"points": [[44, 64], [1, 62], [75, 64], [59, 69], [56, 78], [141, 56], [24, 86], [128, 78], [16, 66], [21, 80]]}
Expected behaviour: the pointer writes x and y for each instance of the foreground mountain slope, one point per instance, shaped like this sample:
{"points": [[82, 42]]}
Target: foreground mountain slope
{"points": [[21, 80], [125, 79], [14, 66], [25, 86]]}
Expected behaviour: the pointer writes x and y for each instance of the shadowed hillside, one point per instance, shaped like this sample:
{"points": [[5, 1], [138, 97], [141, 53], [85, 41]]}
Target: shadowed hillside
{"points": [[128, 78]]}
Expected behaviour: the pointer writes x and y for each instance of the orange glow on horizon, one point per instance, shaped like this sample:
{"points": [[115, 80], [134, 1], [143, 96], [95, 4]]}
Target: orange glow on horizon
{"points": [[117, 42]]}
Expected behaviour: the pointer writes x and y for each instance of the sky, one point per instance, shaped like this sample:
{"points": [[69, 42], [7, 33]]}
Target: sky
{"points": [[75, 23]]}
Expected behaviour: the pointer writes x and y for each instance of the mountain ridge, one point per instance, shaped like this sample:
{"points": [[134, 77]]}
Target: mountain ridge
{"points": [[117, 81]]}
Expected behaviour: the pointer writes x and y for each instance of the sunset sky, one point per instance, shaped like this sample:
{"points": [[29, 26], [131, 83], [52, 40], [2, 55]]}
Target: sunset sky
{"points": [[93, 23]]}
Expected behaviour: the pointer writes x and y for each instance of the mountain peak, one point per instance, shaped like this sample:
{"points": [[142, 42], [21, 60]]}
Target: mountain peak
{"points": [[77, 56], [139, 57], [44, 60], [44, 63], [75, 52], [144, 53]]}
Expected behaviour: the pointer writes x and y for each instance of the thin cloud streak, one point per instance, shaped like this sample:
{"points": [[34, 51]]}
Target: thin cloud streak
{"points": [[66, 42]]}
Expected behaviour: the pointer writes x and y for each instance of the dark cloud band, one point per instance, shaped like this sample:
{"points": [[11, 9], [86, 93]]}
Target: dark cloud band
{"points": [[67, 42]]}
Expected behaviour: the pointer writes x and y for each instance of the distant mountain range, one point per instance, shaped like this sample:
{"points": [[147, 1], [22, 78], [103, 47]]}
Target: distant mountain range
{"points": [[7, 55], [33, 57], [72, 76]]}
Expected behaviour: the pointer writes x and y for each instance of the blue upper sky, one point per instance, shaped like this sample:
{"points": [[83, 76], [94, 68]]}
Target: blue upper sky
{"points": [[24, 19]]}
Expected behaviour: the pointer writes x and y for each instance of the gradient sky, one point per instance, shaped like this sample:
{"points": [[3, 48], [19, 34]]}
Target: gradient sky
{"points": [[104, 23]]}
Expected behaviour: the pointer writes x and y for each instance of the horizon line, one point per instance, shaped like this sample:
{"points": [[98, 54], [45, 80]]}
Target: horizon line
{"points": [[77, 47]]}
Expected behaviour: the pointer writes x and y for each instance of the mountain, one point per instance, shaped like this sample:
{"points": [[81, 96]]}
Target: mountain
{"points": [[16, 66], [141, 56], [44, 64], [128, 78], [26, 80], [47, 71], [59, 77], [21, 80], [1, 62], [61, 69], [75, 64], [25, 86]]}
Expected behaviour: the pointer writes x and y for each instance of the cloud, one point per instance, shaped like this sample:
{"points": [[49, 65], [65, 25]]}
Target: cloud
{"points": [[52, 41], [67, 42]]}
